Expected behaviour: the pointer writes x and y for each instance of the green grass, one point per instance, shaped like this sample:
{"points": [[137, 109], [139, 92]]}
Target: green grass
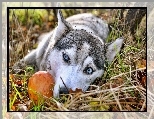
{"points": [[16, 94], [26, 16], [37, 108], [124, 63]]}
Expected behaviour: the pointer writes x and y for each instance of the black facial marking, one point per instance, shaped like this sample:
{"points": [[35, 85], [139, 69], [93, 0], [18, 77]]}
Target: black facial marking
{"points": [[78, 38]]}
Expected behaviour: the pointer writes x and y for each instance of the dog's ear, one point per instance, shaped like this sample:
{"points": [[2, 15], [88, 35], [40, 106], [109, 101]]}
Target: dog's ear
{"points": [[113, 48], [63, 26]]}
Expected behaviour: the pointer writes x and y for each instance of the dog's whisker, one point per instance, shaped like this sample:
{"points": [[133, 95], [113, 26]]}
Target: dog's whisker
{"points": [[64, 84]]}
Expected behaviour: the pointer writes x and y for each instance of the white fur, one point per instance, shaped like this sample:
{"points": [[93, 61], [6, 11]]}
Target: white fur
{"points": [[113, 49], [48, 57], [72, 75]]}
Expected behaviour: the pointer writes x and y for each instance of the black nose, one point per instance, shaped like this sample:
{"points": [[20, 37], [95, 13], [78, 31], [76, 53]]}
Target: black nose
{"points": [[63, 90]]}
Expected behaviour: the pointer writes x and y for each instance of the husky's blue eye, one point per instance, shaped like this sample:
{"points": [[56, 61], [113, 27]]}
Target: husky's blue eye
{"points": [[66, 58], [88, 70]]}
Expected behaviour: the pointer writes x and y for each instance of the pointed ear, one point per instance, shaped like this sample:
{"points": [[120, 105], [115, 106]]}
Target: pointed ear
{"points": [[63, 26], [113, 48]]}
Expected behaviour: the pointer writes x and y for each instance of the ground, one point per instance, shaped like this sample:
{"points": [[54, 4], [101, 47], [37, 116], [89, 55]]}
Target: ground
{"points": [[123, 85]]}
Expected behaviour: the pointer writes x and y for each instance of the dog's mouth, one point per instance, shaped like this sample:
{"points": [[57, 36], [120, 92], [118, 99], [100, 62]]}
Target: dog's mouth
{"points": [[58, 90]]}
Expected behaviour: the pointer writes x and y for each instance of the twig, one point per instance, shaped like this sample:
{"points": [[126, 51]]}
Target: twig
{"points": [[112, 103], [60, 106], [127, 73], [115, 98], [115, 89], [144, 104]]}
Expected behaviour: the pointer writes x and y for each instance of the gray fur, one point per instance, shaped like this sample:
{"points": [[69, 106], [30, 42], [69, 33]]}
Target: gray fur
{"points": [[81, 39]]}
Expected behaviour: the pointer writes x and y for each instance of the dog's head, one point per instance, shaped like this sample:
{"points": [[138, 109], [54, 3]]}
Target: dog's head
{"points": [[77, 57]]}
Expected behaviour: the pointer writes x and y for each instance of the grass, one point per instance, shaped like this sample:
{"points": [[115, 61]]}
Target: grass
{"points": [[118, 89], [26, 16]]}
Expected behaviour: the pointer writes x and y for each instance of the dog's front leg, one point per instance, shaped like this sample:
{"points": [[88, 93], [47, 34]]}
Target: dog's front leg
{"points": [[29, 59]]}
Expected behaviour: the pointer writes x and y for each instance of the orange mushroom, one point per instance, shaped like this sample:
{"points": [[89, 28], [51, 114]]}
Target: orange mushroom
{"points": [[40, 85]]}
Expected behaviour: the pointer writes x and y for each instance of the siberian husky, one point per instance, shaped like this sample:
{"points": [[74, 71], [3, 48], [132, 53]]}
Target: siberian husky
{"points": [[75, 52]]}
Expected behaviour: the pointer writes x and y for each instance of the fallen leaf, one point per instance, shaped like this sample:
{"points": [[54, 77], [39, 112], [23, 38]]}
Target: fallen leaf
{"points": [[143, 81], [141, 63]]}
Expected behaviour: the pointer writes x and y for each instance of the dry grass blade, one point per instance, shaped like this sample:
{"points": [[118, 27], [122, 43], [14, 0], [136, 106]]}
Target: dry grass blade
{"points": [[119, 92], [127, 73], [115, 97]]}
